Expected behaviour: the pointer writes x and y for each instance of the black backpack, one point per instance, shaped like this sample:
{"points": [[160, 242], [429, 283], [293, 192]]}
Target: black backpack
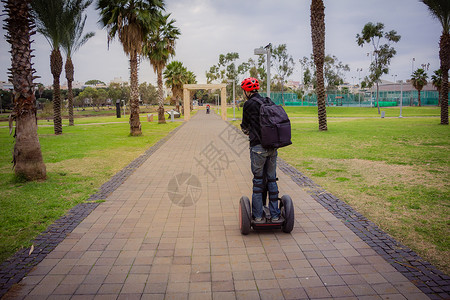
{"points": [[275, 124]]}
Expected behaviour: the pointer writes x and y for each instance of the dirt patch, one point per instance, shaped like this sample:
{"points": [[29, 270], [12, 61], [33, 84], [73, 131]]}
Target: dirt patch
{"points": [[383, 193], [102, 165], [380, 172]]}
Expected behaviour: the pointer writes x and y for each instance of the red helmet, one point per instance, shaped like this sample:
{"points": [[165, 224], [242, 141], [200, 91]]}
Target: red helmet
{"points": [[250, 84]]}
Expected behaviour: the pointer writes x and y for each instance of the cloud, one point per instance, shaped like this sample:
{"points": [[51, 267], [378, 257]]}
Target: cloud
{"points": [[213, 27]]}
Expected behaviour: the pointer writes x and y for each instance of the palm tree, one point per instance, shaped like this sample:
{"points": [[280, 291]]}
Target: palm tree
{"points": [[419, 80], [159, 47], [440, 9], [27, 155], [130, 21], [49, 17], [318, 41], [72, 40], [174, 74], [436, 80]]}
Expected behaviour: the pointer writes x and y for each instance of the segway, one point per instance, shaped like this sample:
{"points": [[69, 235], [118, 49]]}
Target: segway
{"points": [[246, 220]]}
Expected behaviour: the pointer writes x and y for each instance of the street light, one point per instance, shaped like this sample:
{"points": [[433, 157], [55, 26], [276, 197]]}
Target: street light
{"points": [[395, 77], [359, 70], [234, 100], [401, 98], [301, 72], [262, 51]]}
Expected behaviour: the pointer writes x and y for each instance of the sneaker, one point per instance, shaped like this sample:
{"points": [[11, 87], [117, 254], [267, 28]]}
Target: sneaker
{"points": [[278, 220], [260, 220]]}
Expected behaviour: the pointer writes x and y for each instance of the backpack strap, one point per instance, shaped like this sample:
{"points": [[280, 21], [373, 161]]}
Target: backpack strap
{"points": [[266, 101]]}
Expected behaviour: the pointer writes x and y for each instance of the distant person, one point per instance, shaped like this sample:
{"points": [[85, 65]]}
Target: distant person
{"points": [[263, 161]]}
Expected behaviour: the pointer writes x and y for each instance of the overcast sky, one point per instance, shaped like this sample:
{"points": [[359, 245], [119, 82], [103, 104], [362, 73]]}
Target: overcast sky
{"points": [[213, 27]]}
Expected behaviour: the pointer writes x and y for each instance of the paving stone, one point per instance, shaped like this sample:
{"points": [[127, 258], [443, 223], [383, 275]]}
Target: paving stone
{"points": [[138, 244]]}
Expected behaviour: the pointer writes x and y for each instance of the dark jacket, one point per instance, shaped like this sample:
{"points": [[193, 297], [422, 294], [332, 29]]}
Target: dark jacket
{"points": [[250, 119]]}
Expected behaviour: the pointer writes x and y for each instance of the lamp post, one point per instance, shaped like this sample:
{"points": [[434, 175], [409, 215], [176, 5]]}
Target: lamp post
{"points": [[301, 73], [395, 81], [234, 99], [262, 51], [359, 84]]}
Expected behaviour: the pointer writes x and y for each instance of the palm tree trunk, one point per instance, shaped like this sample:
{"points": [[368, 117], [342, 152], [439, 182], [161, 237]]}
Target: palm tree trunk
{"points": [[318, 41], [378, 93], [135, 123], [161, 117], [56, 64], [440, 95], [420, 103], [69, 76], [27, 155], [444, 98], [444, 55]]}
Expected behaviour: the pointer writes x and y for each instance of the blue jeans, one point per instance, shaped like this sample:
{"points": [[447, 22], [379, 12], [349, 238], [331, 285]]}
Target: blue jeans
{"points": [[264, 164]]}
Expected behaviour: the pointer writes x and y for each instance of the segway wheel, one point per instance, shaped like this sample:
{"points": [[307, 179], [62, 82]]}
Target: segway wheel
{"points": [[288, 212], [244, 215]]}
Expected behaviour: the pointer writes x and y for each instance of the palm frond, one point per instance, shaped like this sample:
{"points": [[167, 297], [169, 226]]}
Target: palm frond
{"points": [[73, 37], [48, 16], [129, 21], [440, 9]]}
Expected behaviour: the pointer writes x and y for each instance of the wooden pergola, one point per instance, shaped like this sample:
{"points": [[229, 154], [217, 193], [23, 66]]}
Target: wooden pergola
{"points": [[187, 102]]}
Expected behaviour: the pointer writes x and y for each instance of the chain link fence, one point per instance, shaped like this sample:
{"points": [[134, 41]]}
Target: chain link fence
{"points": [[367, 99]]}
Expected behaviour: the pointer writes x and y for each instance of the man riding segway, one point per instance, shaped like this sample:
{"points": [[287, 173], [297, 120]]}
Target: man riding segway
{"points": [[264, 142]]}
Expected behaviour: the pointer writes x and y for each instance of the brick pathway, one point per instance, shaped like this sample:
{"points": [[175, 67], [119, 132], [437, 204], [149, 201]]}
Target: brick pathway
{"points": [[170, 231]]}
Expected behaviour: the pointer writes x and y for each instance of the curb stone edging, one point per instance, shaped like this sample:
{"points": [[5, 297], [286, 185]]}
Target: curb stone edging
{"points": [[15, 268]]}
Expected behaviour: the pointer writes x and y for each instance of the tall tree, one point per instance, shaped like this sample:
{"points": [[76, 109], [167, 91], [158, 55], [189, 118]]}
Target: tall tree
{"points": [[148, 93], [257, 69], [160, 46], [227, 70], [175, 76], [419, 80], [27, 155], [174, 79], [131, 21], [436, 80], [440, 9], [49, 17], [284, 65], [382, 54], [318, 43], [333, 71], [72, 40]]}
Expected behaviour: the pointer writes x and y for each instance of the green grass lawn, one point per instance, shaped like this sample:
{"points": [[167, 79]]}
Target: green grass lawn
{"points": [[78, 162], [352, 112], [393, 171]]}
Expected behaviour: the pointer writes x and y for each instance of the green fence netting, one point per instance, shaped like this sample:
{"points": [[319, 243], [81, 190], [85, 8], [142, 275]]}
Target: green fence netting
{"points": [[385, 98]]}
